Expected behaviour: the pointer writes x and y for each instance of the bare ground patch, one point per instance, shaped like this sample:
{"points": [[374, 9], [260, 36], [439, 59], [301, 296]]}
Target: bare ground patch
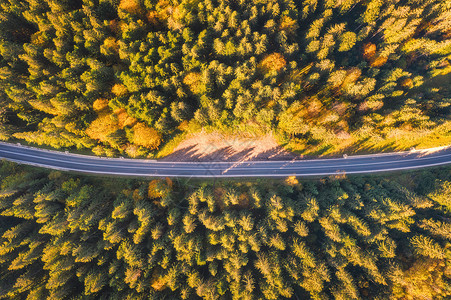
{"points": [[219, 147]]}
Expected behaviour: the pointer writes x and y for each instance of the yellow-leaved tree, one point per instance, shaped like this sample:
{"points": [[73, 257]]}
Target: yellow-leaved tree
{"points": [[272, 62], [146, 136], [131, 6], [102, 127]]}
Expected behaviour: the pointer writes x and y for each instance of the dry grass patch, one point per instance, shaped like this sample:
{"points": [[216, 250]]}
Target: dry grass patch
{"points": [[215, 146]]}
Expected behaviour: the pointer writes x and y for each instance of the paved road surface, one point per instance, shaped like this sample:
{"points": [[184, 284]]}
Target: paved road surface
{"points": [[358, 164]]}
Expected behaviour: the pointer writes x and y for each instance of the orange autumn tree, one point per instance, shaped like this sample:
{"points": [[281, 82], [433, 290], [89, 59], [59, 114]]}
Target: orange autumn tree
{"points": [[101, 127], [131, 6], [123, 118], [119, 89], [100, 104], [369, 50], [108, 122], [369, 53], [146, 136], [379, 61], [272, 62], [291, 180]]}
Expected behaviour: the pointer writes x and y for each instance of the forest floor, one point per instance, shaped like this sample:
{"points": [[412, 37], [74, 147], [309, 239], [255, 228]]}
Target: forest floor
{"points": [[214, 146]]}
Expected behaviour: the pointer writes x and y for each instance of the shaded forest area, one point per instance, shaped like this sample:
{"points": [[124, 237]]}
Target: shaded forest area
{"points": [[78, 237], [123, 77]]}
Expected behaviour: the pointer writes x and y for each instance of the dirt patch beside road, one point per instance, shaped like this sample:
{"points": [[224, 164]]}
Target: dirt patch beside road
{"points": [[219, 147]]}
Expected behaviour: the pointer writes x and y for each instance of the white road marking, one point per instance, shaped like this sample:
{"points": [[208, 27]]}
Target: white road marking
{"points": [[249, 175], [422, 158], [280, 168]]}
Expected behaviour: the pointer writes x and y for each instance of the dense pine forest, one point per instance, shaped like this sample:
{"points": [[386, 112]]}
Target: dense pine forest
{"points": [[124, 77], [128, 77], [76, 237]]}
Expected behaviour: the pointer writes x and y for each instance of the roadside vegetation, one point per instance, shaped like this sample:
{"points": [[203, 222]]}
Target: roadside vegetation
{"points": [[126, 77]]}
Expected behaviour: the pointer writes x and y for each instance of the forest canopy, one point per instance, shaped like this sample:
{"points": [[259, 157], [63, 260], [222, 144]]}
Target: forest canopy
{"points": [[126, 76], [64, 236]]}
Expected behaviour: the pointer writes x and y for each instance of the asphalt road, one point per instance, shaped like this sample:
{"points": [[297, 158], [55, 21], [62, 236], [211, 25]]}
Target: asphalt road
{"points": [[358, 164]]}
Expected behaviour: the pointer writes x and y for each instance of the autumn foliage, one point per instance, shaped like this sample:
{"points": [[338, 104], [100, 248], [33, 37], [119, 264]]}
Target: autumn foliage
{"points": [[119, 89], [291, 180], [110, 46], [192, 80], [100, 104], [146, 136], [288, 24], [369, 53], [177, 66], [123, 118], [369, 50], [273, 62], [131, 6], [378, 61], [101, 127]]}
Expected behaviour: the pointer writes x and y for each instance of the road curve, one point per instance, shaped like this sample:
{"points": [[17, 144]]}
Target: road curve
{"points": [[358, 164]]}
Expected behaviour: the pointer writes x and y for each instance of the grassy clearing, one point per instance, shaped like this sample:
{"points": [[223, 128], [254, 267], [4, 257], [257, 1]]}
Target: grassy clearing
{"points": [[193, 128], [169, 147]]}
